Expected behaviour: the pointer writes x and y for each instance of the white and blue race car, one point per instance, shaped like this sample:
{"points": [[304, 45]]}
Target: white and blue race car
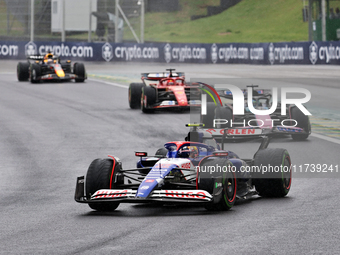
{"points": [[186, 172]]}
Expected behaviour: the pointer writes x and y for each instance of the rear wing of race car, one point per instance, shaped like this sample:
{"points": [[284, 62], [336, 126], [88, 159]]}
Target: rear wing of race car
{"points": [[41, 57], [256, 92], [161, 75]]}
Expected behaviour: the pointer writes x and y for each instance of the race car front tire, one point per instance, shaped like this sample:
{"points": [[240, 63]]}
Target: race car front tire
{"points": [[100, 175], [35, 73], [302, 122], [79, 70], [210, 93], [208, 119], [272, 177], [135, 93], [224, 113], [23, 71], [148, 98], [210, 172]]}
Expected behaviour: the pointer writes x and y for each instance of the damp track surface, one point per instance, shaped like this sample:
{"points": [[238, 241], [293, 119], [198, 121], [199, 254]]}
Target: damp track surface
{"points": [[51, 132]]}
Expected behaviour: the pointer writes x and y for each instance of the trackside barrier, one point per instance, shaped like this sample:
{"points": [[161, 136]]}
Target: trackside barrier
{"points": [[217, 53]]}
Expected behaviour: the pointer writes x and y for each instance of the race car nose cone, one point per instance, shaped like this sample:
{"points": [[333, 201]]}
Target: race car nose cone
{"points": [[182, 103], [139, 197]]}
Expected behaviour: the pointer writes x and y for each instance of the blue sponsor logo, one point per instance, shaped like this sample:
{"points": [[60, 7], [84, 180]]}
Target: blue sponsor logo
{"points": [[158, 172]]}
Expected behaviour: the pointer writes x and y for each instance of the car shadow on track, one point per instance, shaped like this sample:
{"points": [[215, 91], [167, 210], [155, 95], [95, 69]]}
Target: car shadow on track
{"points": [[156, 210], [163, 112]]}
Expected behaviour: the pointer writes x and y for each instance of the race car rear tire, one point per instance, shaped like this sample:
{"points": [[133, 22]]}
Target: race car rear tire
{"points": [[224, 113], [35, 73], [302, 122], [23, 71], [79, 70], [208, 119], [210, 95], [148, 98], [100, 175], [207, 181], [135, 93], [273, 172]]}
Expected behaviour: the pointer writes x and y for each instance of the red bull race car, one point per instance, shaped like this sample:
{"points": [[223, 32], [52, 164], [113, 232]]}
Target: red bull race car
{"points": [[191, 171], [49, 68], [250, 125], [164, 90]]}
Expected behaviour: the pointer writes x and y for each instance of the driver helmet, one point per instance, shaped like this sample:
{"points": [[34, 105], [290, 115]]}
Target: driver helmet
{"points": [[48, 57], [184, 152]]}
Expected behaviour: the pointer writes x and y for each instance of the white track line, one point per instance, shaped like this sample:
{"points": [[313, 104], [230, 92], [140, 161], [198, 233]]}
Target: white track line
{"points": [[110, 83], [326, 138], [11, 73]]}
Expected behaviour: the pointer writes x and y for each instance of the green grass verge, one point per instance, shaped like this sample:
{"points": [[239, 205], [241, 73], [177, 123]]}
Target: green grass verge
{"points": [[249, 21]]}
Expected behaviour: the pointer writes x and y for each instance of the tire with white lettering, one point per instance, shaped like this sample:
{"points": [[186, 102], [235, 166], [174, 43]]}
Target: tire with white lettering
{"points": [[79, 70], [209, 180], [224, 113], [35, 73], [23, 71], [148, 99], [101, 174], [302, 122], [135, 93], [208, 119], [273, 177]]}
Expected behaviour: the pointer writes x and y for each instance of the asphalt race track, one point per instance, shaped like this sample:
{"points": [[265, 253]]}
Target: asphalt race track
{"points": [[51, 132]]}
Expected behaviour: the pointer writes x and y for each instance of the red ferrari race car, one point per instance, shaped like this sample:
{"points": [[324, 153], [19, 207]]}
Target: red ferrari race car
{"points": [[164, 90], [49, 68]]}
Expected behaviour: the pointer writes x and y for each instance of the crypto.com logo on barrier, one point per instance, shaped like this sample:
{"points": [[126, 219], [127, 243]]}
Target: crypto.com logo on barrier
{"points": [[239, 103], [107, 52], [30, 49]]}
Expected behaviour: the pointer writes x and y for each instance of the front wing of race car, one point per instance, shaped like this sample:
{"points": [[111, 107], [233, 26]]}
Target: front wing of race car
{"points": [[174, 104], [162, 195], [53, 76], [178, 97]]}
